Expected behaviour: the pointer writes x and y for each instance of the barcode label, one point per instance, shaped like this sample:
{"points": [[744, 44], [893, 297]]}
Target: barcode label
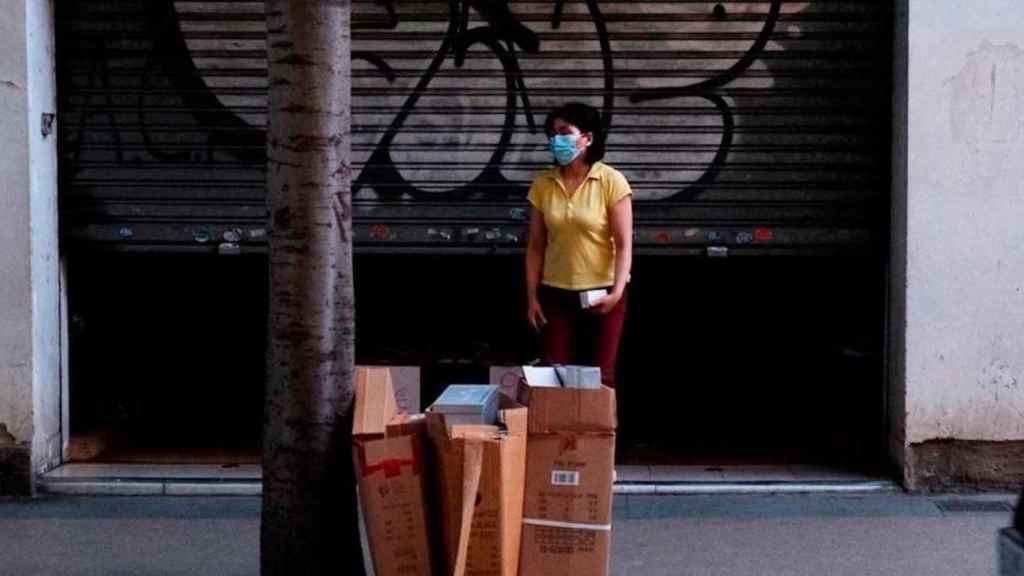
{"points": [[563, 478]]}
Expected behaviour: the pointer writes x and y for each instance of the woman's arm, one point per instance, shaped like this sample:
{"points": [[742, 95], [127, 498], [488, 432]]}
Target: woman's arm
{"points": [[535, 248], [620, 219]]}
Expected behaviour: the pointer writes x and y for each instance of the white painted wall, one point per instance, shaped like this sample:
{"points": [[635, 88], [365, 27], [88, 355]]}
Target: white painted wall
{"points": [[15, 266], [964, 350], [29, 260]]}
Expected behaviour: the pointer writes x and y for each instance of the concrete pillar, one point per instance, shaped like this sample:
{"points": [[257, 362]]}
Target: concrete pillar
{"points": [[897, 308], [958, 250], [30, 352]]}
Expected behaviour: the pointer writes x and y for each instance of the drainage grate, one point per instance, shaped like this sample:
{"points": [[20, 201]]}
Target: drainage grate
{"points": [[967, 506]]}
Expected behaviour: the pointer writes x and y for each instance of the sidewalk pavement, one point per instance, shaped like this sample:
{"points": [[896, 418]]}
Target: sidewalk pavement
{"points": [[776, 535]]}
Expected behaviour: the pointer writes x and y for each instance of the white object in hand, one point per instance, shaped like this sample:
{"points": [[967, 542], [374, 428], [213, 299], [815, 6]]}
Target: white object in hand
{"points": [[590, 297]]}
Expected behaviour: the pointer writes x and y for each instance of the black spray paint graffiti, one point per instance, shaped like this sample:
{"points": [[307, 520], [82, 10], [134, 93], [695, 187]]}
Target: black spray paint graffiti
{"points": [[385, 177], [707, 90], [170, 53], [167, 80], [170, 68], [502, 34]]}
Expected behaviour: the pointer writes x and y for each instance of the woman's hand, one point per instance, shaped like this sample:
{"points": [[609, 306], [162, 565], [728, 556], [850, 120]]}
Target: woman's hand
{"points": [[607, 304], [535, 315]]}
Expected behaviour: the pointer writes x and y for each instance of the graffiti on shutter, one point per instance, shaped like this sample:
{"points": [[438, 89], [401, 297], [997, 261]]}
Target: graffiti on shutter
{"points": [[768, 112]]}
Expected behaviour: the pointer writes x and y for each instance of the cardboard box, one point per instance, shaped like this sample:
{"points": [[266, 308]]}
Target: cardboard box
{"points": [[570, 469], [481, 472], [406, 382], [392, 472], [507, 379], [375, 405]]}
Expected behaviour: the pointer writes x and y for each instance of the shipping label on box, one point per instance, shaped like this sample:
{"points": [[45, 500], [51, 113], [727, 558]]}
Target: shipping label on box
{"points": [[557, 551]]}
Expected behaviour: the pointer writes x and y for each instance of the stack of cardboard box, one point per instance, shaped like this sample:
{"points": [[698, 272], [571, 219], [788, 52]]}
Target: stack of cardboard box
{"points": [[530, 494], [393, 478], [570, 471]]}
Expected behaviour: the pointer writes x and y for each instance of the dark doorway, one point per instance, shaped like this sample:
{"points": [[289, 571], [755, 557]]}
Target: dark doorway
{"points": [[755, 360], [740, 360], [166, 357]]}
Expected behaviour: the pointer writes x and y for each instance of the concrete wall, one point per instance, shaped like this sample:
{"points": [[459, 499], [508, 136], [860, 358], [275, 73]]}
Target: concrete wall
{"points": [[964, 339], [15, 282], [897, 309], [29, 261]]}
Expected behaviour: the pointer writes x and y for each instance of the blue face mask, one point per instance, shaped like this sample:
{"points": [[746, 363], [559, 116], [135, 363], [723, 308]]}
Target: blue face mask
{"points": [[563, 148]]}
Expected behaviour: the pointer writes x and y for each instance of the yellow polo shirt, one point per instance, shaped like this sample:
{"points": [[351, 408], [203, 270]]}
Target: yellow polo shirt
{"points": [[580, 253]]}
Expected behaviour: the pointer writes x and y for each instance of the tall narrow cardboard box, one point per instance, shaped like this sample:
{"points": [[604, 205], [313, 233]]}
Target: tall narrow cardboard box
{"points": [[392, 473], [481, 471], [570, 468], [405, 380]]}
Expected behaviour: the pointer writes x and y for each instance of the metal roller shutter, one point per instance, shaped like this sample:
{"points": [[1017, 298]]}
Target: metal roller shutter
{"points": [[758, 126]]}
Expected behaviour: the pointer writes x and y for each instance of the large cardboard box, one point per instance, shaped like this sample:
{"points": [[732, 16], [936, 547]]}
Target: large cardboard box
{"points": [[570, 472], [392, 473], [480, 475]]}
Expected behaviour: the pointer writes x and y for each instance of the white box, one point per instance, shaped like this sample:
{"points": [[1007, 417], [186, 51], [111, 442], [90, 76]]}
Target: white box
{"points": [[563, 376], [468, 404], [543, 376], [585, 377]]}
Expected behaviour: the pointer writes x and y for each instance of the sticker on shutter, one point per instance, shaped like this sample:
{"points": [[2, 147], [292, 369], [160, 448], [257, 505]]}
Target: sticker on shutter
{"points": [[565, 478]]}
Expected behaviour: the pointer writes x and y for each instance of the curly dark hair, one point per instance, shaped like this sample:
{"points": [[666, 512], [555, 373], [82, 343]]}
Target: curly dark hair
{"points": [[587, 119]]}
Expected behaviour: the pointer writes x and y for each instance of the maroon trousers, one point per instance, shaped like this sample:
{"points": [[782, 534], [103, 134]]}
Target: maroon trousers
{"points": [[577, 336]]}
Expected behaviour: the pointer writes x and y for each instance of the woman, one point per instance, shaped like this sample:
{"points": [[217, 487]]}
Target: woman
{"points": [[581, 238]]}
